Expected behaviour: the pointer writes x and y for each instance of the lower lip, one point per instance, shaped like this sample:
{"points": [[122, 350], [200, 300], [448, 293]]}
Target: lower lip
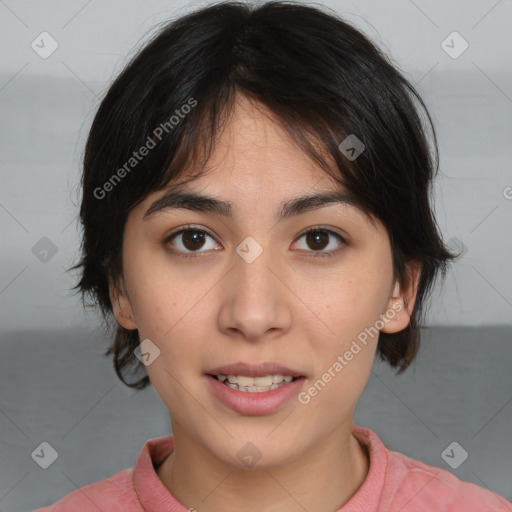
{"points": [[254, 404]]}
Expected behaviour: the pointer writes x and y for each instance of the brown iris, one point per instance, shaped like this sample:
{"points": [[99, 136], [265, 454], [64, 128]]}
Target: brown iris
{"points": [[314, 239], [193, 239]]}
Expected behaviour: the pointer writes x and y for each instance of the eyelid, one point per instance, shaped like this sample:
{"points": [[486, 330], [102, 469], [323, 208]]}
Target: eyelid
{"points": [[188, 227], [325, 254]]}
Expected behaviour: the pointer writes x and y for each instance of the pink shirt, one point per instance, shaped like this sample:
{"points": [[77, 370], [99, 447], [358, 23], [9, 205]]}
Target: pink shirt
{"points": [[394, 483]]}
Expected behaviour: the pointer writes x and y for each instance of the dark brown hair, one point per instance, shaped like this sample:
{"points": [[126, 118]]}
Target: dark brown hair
{"points": [[322, 78]]}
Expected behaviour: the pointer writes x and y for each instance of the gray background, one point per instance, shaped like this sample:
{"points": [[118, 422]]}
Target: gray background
{"points": [[56, 386]]}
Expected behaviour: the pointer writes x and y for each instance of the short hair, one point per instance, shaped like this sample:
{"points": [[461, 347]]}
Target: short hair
{"points": [[324, 81]]}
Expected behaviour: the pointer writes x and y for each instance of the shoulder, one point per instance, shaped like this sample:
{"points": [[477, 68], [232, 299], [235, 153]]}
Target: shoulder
{"points": [[114, 494], [415, 486], [397, 483]]}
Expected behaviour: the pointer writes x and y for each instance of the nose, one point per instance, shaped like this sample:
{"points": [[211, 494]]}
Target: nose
{"points": [[255, 299]]}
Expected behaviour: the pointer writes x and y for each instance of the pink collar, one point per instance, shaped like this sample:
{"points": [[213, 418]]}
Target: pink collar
{"points": [[154, 496]]}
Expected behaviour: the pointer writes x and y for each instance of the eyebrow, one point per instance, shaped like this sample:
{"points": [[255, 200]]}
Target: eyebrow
{"points": [[193, 201]]}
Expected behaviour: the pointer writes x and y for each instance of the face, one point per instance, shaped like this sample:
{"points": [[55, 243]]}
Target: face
{"points": [[250, 287]]}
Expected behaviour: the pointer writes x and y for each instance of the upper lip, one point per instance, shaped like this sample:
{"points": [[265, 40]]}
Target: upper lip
{"points": [[254, 370]]}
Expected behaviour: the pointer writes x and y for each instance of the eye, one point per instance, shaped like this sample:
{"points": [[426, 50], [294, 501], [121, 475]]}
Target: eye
{"points": [[190, 239], [319, 238]]}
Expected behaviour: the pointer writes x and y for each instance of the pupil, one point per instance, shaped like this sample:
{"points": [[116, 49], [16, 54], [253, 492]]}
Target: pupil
{"points": [[315, 239], [193, 240]]}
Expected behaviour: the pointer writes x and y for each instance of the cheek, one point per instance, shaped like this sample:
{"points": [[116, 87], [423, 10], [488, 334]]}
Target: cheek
{"points": [[345, 353], [174, 311], [162, 291], [347, 303]]}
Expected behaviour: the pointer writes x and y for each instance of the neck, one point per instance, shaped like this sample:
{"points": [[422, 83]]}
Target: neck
{"points": [[322, 479]]}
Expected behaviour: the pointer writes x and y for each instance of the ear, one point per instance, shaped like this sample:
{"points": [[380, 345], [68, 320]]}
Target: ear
{"points": [[402, 301], [121, 305]]}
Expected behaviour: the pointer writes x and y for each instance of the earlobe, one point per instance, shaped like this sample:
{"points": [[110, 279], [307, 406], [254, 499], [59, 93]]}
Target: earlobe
{"points": [[121, 306]]}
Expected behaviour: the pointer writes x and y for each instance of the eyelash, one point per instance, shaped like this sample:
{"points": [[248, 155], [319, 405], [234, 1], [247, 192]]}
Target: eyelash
{"points": [[315, 254]]}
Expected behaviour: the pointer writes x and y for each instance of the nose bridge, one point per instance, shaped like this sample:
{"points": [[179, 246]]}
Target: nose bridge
{"points": [[254, 301], [252, 267]]}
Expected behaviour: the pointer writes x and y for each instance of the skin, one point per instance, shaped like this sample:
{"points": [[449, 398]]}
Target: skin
{"points": [[287, 306]]}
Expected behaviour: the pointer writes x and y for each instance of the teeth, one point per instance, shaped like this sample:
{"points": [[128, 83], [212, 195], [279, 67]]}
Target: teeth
{"points": [[263, 381], [255, 389], [256, 384]]}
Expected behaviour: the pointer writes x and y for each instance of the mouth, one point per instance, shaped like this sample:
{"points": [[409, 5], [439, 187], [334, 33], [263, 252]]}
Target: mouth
{"points": [[254, 389], [254, 400], [259, 384]]}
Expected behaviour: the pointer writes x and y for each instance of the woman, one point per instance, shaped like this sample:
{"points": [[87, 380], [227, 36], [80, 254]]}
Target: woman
{"points": [[257, 220]]}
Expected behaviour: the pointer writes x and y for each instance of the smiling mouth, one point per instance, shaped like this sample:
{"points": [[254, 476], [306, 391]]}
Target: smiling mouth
{"points": [[255, 384]]}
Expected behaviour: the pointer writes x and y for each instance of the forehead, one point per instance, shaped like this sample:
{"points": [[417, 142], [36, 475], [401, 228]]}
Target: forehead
{"points": [[253, 150], [255, 167]]}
